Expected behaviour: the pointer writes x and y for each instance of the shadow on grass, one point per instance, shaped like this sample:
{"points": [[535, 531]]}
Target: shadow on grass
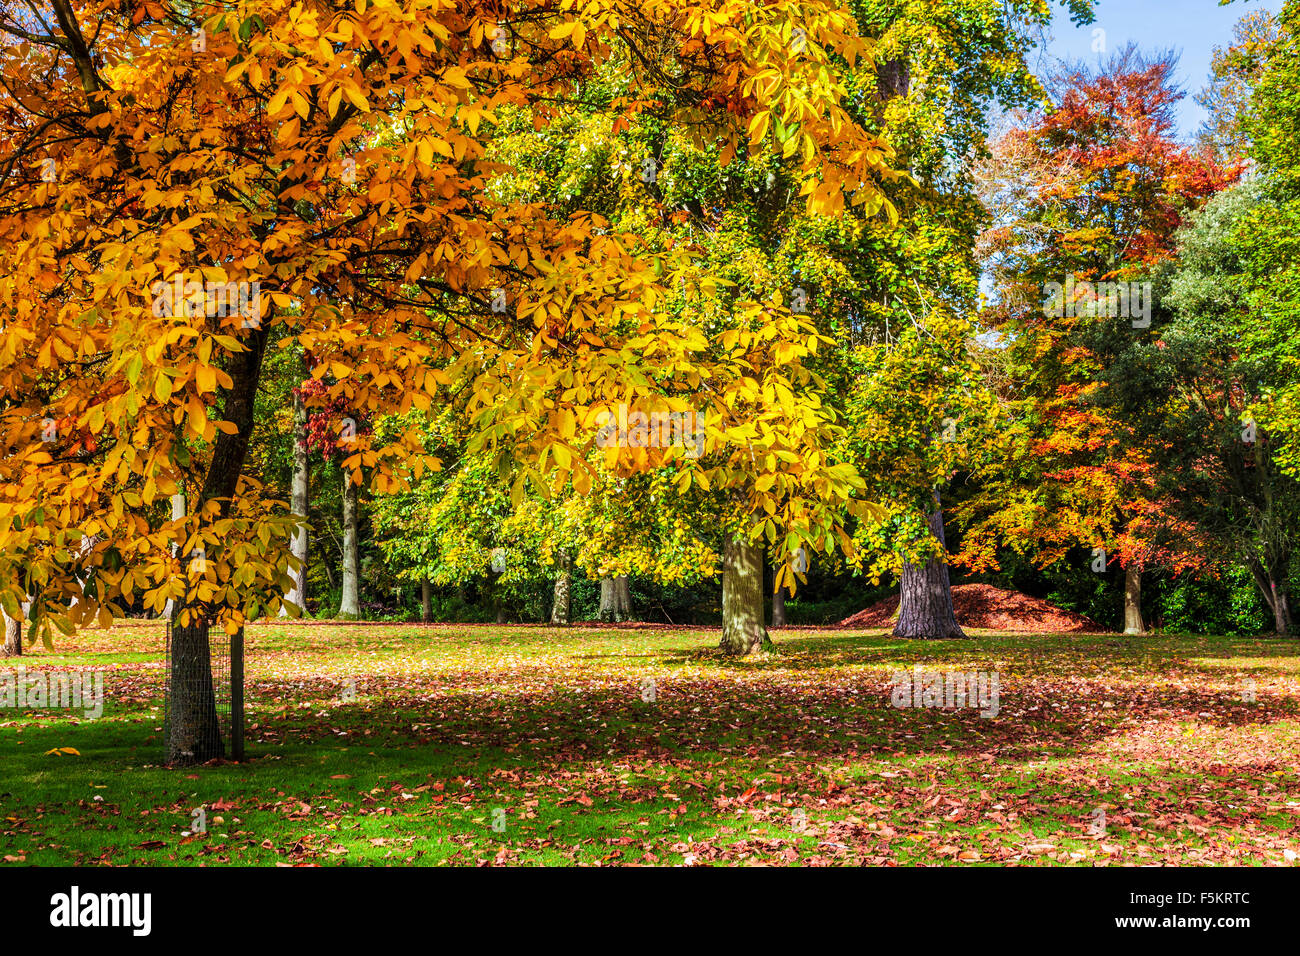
{"points": [[407, 775], [580, 761], [761, 716]]}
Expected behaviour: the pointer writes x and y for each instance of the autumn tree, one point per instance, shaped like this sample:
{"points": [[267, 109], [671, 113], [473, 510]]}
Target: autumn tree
{"points": [[848, 276], [1227, 368], [1193, 396], [911, 394], [190, 186], [1234, 72], [1087, 197], [745, 216]]}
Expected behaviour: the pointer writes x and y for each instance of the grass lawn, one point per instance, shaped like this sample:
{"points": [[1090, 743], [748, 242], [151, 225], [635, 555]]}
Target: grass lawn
{"points": [[1104, 750]]}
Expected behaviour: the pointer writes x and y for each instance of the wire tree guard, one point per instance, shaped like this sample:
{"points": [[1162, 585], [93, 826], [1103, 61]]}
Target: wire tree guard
{"points": [[226, 677]]}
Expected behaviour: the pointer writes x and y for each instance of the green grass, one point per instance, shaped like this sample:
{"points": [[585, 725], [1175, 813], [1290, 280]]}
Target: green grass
{"points": [[798, 758]]}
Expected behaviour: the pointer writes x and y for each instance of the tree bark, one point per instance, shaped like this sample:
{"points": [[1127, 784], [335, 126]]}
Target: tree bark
{"points": [[1273, 586], [299, 503], [1277, 597], [609, 601], [1281, 608], [893, 78], [560, 606], [743, 632], [623, 597], [426, 601], [350, 606], [925, 608], [1133, 623], [13, 635]]}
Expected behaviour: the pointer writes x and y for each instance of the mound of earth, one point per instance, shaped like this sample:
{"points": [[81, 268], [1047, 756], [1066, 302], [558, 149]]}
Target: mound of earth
{"points": [[987, 607]]}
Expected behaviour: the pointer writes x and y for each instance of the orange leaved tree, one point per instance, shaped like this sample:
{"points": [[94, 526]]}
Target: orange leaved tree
{"points": [[1086, 199], [187, 186]]}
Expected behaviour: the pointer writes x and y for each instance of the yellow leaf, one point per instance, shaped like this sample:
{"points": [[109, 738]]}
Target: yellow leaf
{"points": [[277, 101], [356, 99]]}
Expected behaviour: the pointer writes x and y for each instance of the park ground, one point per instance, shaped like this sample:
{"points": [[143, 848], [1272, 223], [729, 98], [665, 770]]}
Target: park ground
{"points": [[410, 744]]}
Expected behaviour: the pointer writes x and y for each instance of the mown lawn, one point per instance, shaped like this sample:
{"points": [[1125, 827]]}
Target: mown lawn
{"points": [[380, 744]]}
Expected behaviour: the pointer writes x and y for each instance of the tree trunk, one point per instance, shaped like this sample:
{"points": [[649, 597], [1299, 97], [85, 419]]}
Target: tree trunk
{"points": [[609, 601], [299, 503], [13, 635], [925, 600], [1282, 609], [778, 604], [1133, 623], [1273, 587], [893, 78], [563, 583], [623, 597], [1278, 598], [194, 731], [426, 601], [350, 606], [743, 632]]}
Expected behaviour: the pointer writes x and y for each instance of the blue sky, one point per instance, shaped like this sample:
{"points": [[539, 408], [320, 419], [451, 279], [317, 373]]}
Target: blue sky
{"points": [[1192, 28]]}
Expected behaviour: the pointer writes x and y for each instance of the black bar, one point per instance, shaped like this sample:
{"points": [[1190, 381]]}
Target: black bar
{"points": [[981, 907]]}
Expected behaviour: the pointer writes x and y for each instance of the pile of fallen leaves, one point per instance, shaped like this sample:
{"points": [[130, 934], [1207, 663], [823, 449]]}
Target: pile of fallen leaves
{"points": [[984, 606]]}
